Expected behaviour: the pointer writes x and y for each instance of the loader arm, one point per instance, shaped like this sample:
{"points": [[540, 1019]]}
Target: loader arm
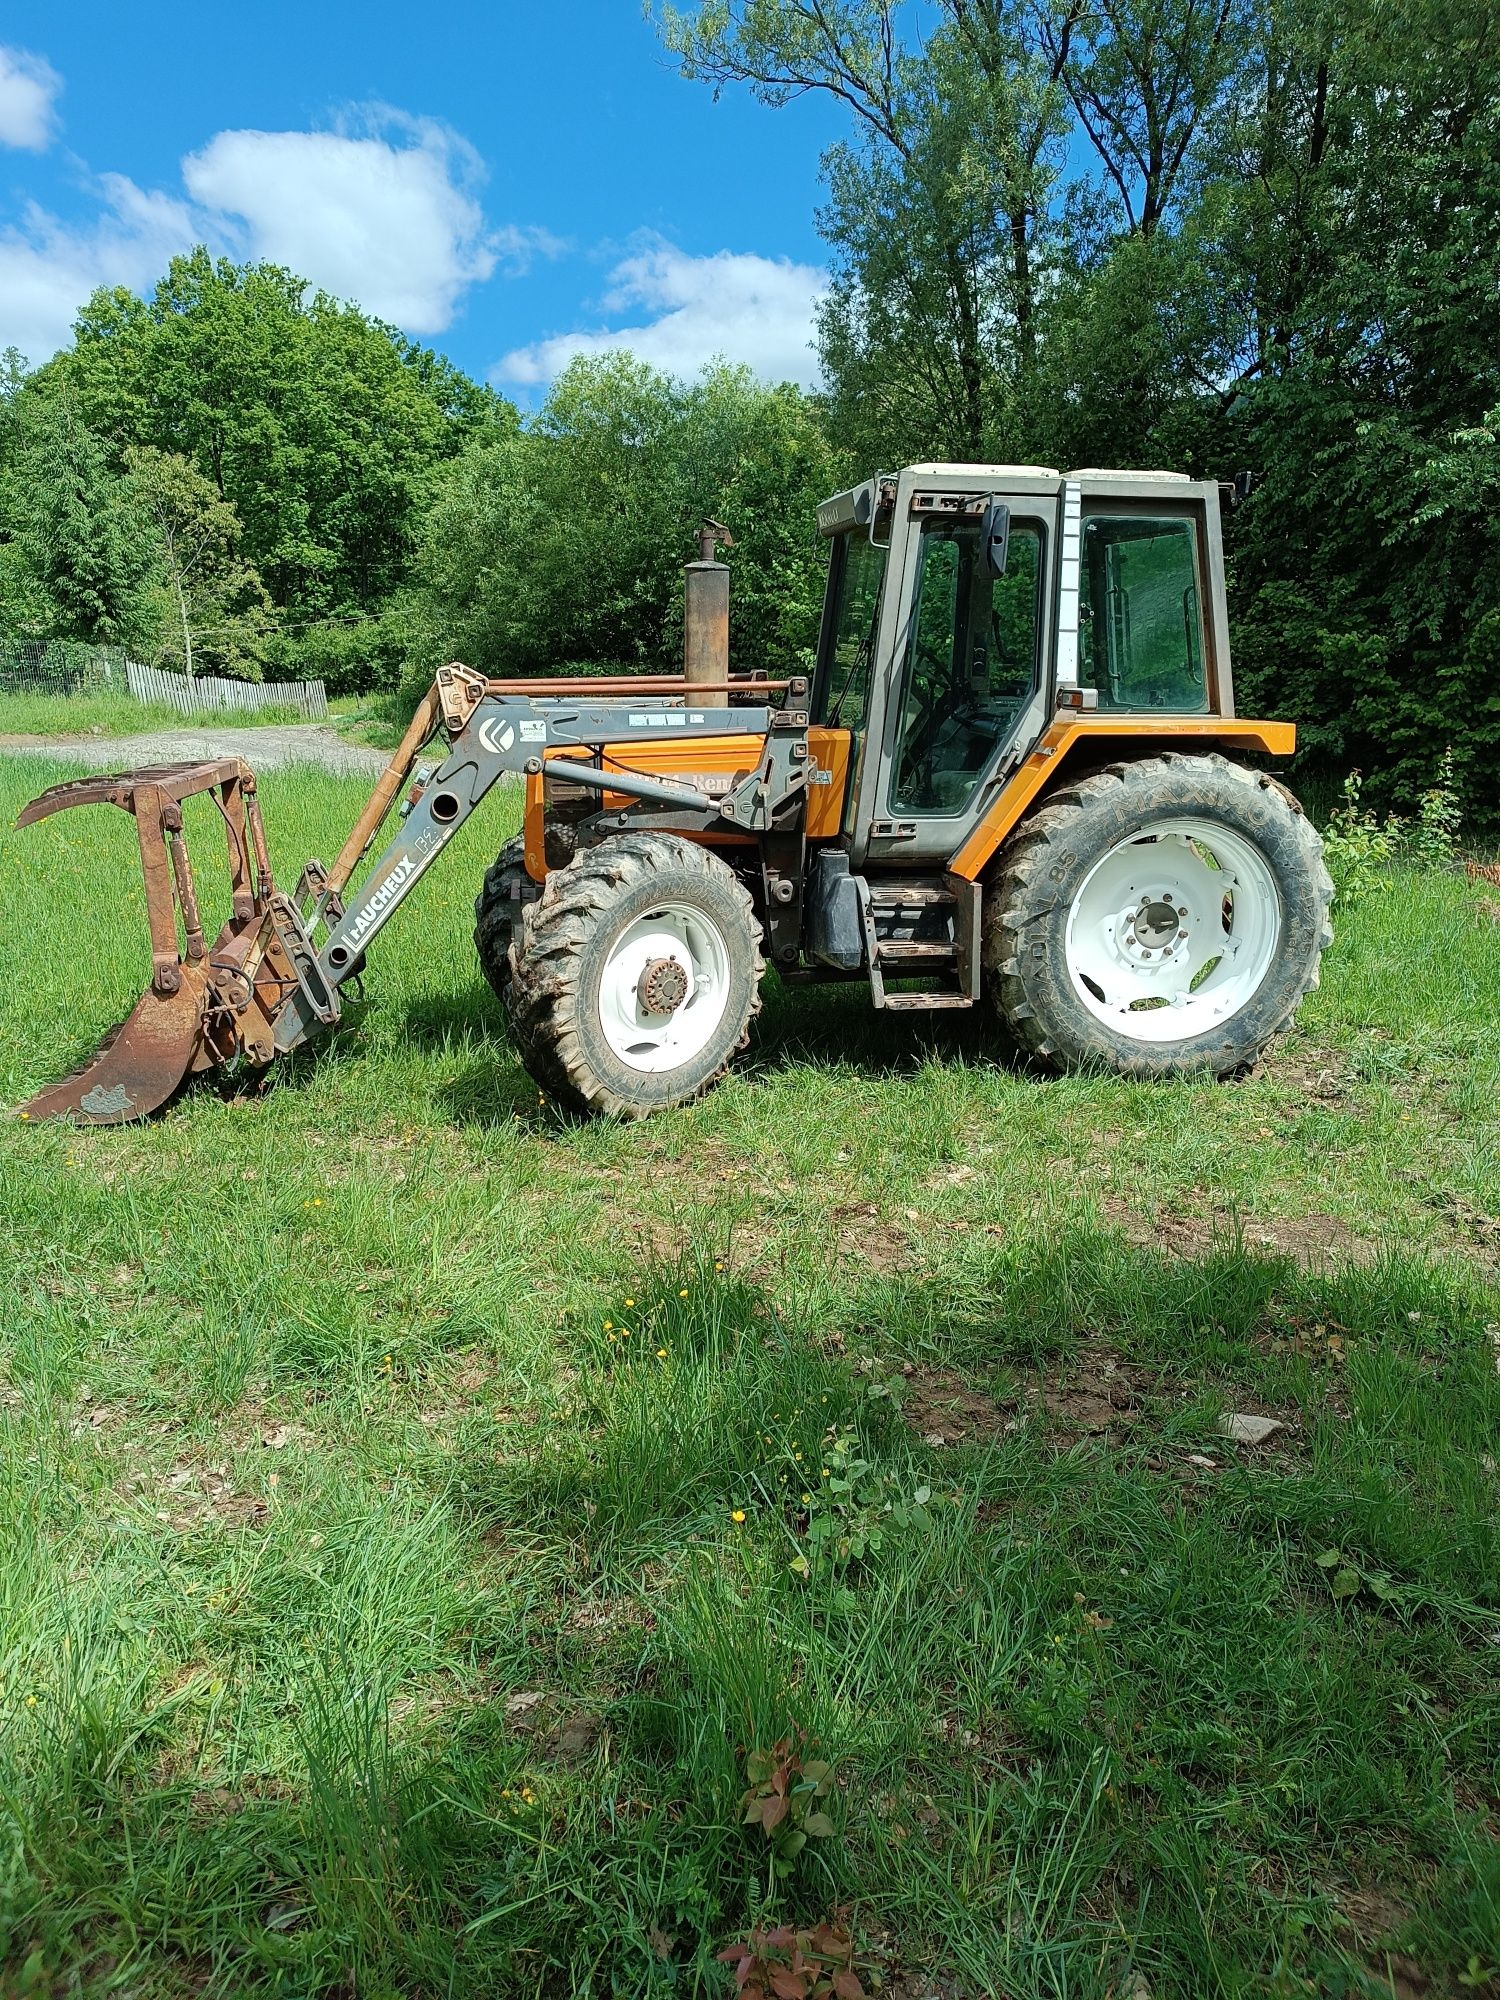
{"points": [[266, 986]]}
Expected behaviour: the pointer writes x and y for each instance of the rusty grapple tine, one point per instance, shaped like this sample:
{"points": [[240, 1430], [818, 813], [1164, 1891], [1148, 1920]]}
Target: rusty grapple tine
{"points": [[139, 1064], [182, 1022]]}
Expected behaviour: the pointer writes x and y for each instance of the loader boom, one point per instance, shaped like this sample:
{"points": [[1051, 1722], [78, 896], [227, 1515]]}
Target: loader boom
{"points": [[267, 986]]}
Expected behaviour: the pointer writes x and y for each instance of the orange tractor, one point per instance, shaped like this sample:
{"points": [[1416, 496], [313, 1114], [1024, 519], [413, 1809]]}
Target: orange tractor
{"points": [[1012, 781]]}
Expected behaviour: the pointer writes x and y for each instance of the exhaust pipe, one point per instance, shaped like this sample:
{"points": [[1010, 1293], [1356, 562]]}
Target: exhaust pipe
{"points": [[705, 624]]}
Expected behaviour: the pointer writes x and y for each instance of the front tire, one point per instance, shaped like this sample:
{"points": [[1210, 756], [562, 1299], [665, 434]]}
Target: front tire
{"points": [[1160, 918], [507, 889], [635, 975]]}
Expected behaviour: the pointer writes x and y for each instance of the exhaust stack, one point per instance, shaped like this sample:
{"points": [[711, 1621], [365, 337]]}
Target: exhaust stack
{"points": [[705, 625]]}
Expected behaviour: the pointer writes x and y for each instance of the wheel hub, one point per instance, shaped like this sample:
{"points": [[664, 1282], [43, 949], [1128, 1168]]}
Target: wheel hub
{"points": [[1153, 929], [1173, 929], [662, 987]]}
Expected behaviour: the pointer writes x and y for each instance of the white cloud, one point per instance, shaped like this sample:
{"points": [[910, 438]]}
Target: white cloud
{"points": [[48, 270], [386, 216], [758, 310], [29, 86]]}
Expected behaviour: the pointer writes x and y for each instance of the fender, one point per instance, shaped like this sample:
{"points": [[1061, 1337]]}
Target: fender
{"points": [[1068, 734]]}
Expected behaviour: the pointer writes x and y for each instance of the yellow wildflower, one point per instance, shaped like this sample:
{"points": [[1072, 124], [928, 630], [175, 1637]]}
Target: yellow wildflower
{"points": [[737, 1515], [661, 1354], [683, 1293]]}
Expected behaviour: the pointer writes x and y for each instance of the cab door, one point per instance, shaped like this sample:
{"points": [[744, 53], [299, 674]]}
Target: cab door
{"points": [[967, 685]]}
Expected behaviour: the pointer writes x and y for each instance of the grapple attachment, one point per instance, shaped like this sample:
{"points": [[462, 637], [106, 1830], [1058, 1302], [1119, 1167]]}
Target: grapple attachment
{"points": [[207, 1004]]}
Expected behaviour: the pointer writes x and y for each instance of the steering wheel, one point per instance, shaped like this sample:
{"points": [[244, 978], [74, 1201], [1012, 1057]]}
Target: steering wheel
{"points": [[921, 734]]}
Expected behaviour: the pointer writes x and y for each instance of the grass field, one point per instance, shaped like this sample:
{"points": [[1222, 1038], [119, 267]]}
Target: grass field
{"points": [[408, 1491], [100, 712]]}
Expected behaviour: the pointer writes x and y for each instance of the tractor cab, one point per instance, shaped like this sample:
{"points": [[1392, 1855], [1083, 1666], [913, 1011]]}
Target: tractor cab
{"points": [[968, 605]]}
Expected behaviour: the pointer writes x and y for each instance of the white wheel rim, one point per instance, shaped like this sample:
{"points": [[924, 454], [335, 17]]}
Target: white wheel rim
{"points": [[1173, 930], [665, 1036]]}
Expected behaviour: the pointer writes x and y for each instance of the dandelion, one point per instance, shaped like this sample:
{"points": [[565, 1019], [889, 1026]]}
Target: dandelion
{"points": [[31, 1701], [737, 1515], [661, 1354], [317, 1201], [612, 1339], [629, 1303], [608, 1324], [718, 1263], [683, 1293], [25, 1117]]}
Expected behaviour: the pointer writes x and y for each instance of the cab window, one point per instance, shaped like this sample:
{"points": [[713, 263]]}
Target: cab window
{"points": [[1140, 623], [971, 663], [859, 570]]}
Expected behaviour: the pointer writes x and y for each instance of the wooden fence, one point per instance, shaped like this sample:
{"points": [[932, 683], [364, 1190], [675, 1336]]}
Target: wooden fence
{"points": [[207, 694]]}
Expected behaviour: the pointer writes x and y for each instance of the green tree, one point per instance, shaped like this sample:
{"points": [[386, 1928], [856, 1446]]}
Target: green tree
{"points": [[565, 541], [79, 559], [938, 211], [216, 614], [318, 425]]}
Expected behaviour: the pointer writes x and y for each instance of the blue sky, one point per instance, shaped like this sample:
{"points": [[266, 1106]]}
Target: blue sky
{"points": [[509, 183]]}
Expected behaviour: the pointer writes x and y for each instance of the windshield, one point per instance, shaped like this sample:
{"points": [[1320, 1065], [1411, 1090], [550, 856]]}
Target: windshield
{"points": [[859, 570], [971, 663]]}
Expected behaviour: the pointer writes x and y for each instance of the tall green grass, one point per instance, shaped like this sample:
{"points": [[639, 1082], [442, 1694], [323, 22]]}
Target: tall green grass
{"points": [[101, 712], [372, 1621]]}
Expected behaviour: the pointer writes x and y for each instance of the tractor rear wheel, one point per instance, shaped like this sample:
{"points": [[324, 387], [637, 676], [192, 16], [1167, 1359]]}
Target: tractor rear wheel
{"points": [[635, 975], [1159, 918]]}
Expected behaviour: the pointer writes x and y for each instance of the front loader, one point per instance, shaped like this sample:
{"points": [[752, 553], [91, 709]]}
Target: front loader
{"points": [[1012, 782]]}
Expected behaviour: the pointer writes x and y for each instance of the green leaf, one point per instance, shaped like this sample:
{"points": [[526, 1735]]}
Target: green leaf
{"points": [[1346, 1583], [820, 1826], [759, 1765], [791, 1845], [1329, 1558]]}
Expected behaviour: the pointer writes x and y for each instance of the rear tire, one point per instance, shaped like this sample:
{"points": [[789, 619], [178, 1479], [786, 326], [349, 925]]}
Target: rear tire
{"points": [[635, 975], [1160, 918]]}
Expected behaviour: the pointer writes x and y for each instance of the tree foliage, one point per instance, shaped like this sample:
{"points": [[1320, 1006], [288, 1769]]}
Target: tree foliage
{"points": [[214, 612], [1205, 234], [319, 425], [565, 540]]}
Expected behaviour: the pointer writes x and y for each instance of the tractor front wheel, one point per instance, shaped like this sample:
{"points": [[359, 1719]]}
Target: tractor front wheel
{"points": [[1159, 918], [635, 975], [508, 888]]}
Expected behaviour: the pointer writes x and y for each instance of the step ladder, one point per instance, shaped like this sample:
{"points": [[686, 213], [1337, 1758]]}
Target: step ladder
{"points": [[884, 906]]}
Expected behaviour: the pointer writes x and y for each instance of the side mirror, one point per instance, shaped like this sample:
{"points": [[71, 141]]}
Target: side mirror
{"points": [[994, 537]]}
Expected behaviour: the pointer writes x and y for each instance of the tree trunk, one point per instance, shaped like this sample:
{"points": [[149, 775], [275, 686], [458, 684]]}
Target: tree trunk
{"points": [[187, 630]]}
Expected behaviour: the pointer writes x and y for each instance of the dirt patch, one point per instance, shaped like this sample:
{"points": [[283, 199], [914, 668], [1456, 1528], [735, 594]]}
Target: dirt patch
{"points": [[1101, 1396], [269, 748], [1312, 1072], [865, 1238], [553, 1728], [1311, 1241], [943, 1410], [197, 1496]]}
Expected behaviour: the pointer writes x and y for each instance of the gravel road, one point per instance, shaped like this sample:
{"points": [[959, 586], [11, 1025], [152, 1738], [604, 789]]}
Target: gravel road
{"points": [[267, 749]]}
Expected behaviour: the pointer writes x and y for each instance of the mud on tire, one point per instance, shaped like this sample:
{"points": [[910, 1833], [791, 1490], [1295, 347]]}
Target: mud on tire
{"points": [[583, 968], [1052, 934]]}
